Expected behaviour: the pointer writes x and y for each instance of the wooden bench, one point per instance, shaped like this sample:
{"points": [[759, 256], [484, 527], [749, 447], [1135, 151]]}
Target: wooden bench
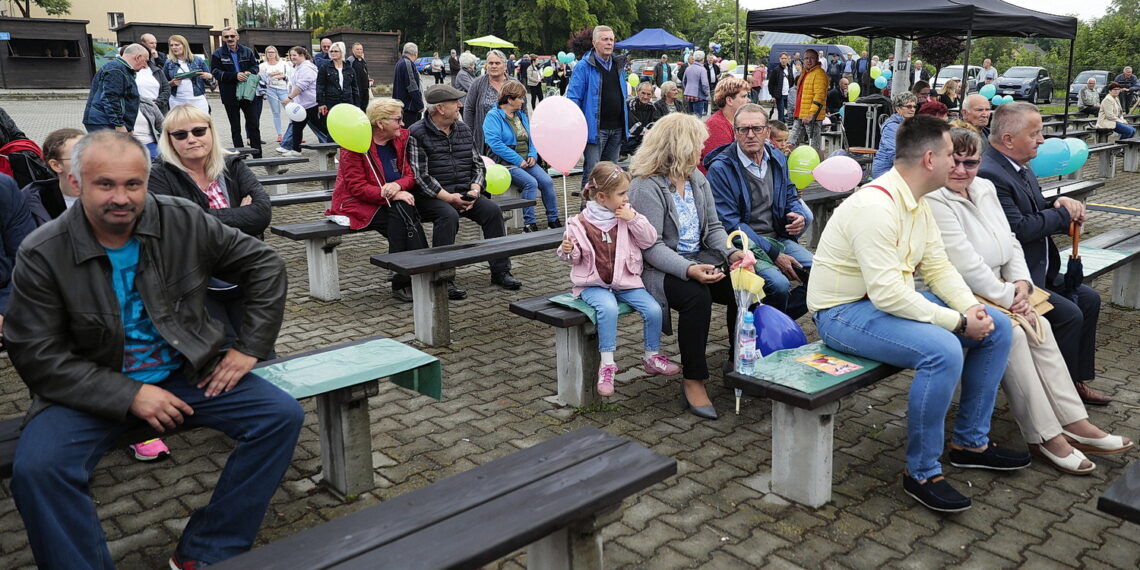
{"points": [[1075, 189], [575, 348], [342, 391], [1122, 499], [1102, 135], [275, 164], [1073, 133], [1131, 154], [279, 184], [430, 269], [1106, 160], [803, 426], [326, 153], [1123, 259], [555, 497], [244, 151], [322, 237]]}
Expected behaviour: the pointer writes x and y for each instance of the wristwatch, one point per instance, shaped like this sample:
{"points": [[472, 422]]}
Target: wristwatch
{"points": [[961, 328]]}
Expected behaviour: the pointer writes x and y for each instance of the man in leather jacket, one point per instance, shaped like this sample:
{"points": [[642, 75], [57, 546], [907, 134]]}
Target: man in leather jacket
{"points": [[107, 327]]}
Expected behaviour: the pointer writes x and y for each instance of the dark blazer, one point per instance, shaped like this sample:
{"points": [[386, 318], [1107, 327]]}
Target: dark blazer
{"points": [[330, 92], [774, 78], [1032, 219], [222, 68]]}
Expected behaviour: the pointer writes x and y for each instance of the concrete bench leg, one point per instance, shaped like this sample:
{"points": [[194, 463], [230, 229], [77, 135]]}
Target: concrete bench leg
{"points": [[576, 351], [802, 453], [429, 307], [1126, 285], [1107, 165], [576, 547], [513, 218], [324, 274], [278, 189], [1132, 159], [346, 440], [322, 160]]}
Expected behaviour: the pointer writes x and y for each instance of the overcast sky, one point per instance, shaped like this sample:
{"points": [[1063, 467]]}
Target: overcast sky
{"points": [[1083, 9]]}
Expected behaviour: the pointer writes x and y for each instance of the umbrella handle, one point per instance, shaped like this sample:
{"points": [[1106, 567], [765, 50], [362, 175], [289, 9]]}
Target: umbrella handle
{"points": [[1075, 233]]}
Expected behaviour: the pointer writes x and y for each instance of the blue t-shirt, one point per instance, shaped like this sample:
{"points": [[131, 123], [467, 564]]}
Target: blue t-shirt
{"points": [[689, 221], [147, 357], [386, 155]]}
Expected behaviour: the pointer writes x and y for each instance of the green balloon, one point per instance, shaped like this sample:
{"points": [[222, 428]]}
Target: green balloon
{"points": [[349, 127], [876, 72], [801, 163], [498, 179], [548, 71]]}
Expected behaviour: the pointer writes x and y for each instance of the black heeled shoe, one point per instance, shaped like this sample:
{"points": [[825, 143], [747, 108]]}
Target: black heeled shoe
{"points": [[707, 412]]}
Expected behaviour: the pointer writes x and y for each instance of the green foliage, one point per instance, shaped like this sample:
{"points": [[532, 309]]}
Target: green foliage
{"points": [[52, 7], [939, 51]]}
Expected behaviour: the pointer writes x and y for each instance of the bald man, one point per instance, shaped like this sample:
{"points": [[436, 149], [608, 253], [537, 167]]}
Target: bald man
{"points": [[151, 43], [976, 111], [113, 100]]}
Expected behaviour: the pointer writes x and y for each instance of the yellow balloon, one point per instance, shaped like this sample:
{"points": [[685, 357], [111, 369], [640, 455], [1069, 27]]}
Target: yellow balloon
{"points": [[632, 79], [349, 127], [498, 179]]}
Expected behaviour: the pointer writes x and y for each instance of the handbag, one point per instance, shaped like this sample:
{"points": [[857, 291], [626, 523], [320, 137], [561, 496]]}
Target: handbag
{"points": [[1039, 300]]}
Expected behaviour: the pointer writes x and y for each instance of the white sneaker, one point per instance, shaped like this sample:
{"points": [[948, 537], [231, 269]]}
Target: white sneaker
{"points": [[292, 153], [283, 150]]}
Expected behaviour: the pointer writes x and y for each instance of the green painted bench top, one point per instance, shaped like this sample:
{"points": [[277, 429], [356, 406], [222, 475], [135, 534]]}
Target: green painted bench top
{"points": [[354, 363], [1095, 260]]}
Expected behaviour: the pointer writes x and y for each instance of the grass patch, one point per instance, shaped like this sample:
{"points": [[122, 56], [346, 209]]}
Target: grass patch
{"points": [[598, 407]]}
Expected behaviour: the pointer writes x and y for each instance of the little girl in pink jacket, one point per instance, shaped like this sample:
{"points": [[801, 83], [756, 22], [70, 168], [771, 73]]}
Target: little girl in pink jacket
{"points": [[603, 243]]}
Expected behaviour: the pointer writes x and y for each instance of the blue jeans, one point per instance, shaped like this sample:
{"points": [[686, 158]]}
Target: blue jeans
{"points": [[605, 304], [608, 148], [60, 447], [274, 97], [698, 108], [778, 291], [935, 355], [1125, 131], [532, 180], [781, 104]]}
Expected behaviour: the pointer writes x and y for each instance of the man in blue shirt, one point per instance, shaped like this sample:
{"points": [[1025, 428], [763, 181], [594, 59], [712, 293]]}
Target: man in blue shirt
{"points": [[107, 326]]}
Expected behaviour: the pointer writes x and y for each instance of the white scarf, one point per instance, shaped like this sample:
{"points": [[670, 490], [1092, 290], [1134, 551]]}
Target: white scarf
{"points": [[599, 216]]}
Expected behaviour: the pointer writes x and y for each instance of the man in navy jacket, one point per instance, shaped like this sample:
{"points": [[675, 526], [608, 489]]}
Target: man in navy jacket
{"points": [[749, 180], [233, 63]]}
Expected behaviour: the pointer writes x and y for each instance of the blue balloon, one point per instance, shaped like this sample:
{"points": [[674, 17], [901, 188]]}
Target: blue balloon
{"points": [[888, 73], [1007, 99], [1078, 154], [997, 100], [775, 330], [1052, 158], [881, 81], [988, 91]]}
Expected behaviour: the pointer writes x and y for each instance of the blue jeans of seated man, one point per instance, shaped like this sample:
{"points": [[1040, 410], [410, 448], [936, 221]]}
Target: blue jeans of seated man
{"points": [[935, 355], [532, 180], [607, 148], [778, 290], [1125, 131], [605, 304], [60, 447]]}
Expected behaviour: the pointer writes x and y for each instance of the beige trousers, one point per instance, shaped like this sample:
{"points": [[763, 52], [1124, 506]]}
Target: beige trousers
{"points": [[1039, 388]]}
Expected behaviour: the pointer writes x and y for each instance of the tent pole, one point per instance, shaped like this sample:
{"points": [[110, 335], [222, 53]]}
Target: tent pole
{"points": [[736, 35], [747, 44], [1068, 82], [964, 88]]}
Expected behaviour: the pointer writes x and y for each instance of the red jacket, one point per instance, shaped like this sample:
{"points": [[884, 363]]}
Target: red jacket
{"points": [[359, 178]]}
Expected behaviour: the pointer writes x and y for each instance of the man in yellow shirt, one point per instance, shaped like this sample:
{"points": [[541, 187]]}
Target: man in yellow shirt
{"points": [[863, 295]]}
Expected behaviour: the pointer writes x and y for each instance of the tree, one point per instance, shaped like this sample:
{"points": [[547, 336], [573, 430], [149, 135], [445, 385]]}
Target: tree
{"points": [[938, 51], [581, 41], [52, 7]]}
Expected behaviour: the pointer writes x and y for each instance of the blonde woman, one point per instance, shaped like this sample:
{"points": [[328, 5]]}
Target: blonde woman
{"points": [[950, 96], [275, 72], [685, 267], [187, 89]]}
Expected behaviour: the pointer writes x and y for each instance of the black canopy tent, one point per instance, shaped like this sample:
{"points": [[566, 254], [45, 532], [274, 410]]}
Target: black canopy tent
{"points": [[914, 20]]}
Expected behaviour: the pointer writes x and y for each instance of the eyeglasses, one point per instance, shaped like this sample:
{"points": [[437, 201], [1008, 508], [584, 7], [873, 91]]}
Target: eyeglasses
{"points": [[910, 106], [927, 92], [198, 132], [968, 164], [759, 130]]}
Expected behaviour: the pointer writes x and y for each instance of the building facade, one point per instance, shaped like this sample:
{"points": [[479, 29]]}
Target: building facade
{"points": [[105, 15]]}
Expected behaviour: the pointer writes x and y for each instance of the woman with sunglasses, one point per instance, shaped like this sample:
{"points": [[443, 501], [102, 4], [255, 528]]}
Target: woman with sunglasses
{"points": [[507, 133], [1037, 384], [336, 83], [905, 103], [373, 189]]}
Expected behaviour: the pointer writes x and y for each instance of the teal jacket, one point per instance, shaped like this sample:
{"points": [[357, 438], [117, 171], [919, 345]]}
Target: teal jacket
{"points": [[500, 137]]}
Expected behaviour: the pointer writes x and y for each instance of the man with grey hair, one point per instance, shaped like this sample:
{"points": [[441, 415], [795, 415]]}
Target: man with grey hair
{"points": [[108, 329], [321, 58], [976, 111], [1128, 82], [406, 85], [1015, 136], [598, 88], [113, 99], [231, 64]]}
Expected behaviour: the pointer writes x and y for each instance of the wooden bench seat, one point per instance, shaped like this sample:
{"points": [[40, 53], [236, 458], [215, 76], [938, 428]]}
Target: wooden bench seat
{"points": [[322, 237], [803, 426], [555, 497], [274, 165], [575, 348], [1124, 263], [342, 393], [1122, 499], [430, 269], [1075, 189]]}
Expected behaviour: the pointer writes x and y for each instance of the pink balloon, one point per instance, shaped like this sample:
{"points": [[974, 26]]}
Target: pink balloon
{"points": [[838, 173], [487, 162], [559, 131]]}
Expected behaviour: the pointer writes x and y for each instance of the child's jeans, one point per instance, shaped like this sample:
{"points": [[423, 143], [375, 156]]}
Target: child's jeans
{"points": [[605, 304]]}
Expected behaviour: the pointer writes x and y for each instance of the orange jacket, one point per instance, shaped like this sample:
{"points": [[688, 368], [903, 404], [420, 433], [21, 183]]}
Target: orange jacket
{"points": [[811, 94]]}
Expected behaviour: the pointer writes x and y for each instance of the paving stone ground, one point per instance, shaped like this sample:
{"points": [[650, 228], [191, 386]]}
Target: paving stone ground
{"points": [[715, 513]]}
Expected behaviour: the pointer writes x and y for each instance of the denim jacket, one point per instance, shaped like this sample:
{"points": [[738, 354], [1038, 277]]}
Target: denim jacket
{"points": [[171, 68], [113, 100]]}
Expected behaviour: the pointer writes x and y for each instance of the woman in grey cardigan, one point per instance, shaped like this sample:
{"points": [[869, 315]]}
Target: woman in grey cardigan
{"points": [[686, 268], [483, 95]]}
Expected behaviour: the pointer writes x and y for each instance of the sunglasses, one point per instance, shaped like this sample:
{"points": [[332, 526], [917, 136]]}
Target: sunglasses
{"points": [[968, 164], [196, 131], [761, 129]]}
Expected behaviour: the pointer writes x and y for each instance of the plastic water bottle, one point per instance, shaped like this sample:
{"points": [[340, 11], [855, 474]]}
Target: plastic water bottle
{"points": [[746, 346]]}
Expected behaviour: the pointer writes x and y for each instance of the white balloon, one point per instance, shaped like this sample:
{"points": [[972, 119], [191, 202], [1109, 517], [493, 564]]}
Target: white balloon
{"points": [[295, 111]]}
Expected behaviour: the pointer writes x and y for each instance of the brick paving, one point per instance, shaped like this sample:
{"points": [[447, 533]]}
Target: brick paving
{"points": [[716, 513]]}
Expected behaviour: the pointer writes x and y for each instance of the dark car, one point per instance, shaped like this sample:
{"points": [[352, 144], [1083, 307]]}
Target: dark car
{"points": [[1101, 77], [1032, 84]]}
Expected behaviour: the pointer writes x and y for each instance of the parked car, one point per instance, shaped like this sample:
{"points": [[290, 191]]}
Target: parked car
{"points": [[738, 72], [955, 72], [1032, 84], [643, 68], [1102, 79], [423, 65]]}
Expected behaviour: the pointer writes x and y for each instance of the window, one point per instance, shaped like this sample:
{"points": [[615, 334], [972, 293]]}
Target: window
{"points": [[115, 19]]}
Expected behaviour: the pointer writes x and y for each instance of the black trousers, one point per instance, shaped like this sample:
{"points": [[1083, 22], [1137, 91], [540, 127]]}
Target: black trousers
{"points": [[535, 95], [445, 223], [399, 223], [1074, 327], [312, 119], [234, 113], [693, 302]]}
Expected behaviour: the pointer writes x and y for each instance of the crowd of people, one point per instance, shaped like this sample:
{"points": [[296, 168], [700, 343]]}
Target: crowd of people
{"points": [[944, 263]]}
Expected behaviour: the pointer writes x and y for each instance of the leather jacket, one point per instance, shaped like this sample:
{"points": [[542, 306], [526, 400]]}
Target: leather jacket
{"points": [[64, 331]]}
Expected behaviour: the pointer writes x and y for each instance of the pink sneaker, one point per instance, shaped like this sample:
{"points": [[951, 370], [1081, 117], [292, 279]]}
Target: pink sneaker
{"points": [[606, 380], [660, 364], [150, 450]]}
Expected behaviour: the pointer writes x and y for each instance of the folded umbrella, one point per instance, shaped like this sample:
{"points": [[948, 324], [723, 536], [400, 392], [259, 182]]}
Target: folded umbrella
{"points": [[1075, 272]]}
